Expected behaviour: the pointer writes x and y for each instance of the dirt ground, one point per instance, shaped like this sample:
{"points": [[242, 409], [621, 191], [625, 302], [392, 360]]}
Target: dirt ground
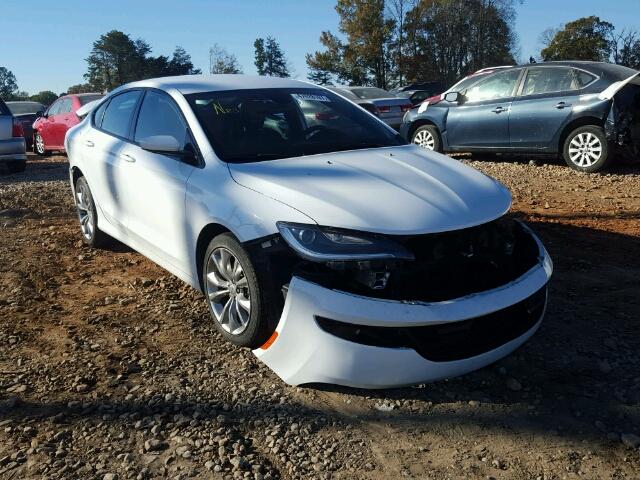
{"points": [[110, 367]]}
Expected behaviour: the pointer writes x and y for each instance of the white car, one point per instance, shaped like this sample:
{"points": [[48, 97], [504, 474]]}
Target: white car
{"points": [[335, 250]]}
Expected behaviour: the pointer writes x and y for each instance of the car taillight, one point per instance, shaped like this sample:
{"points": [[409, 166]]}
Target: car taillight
{"points": [[384, 109], [406, 108], [370, 108], [17, 130]]}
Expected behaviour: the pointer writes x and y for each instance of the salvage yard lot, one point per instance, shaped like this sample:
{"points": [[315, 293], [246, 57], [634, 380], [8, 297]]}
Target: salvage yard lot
{"points": [[109, 365]]}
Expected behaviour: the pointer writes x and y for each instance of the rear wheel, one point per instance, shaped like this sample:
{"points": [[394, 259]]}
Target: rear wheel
{"points": [[237, 302], [586, 149], [39, 146], [87, 216], [17, 167], [427, 137]]}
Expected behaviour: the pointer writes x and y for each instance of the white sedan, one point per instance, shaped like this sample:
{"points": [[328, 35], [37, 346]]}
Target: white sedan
{"points": [[319, 238]]}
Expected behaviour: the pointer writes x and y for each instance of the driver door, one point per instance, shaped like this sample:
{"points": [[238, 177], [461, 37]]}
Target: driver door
{"points": [[481, 120], [154, 184]]}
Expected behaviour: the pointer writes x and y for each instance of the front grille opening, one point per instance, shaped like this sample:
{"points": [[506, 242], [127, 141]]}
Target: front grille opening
{"points": [[450, 341], [447, 265]]}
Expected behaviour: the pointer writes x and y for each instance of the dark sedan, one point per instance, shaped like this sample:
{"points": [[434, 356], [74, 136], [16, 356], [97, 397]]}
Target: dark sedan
{"points": [[583, 110], [26, 113], [387, 107]]}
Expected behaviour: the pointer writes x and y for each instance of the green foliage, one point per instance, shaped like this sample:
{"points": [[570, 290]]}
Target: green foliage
{"points": [[8, 85], [80, 88], [587, 38], [390, 42], [46, 97], [116, 59], [269, 58]]}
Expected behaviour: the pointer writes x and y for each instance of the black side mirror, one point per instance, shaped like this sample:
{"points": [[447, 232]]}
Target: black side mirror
{"points": [[39, 114], [189, 156], [454, 97]]}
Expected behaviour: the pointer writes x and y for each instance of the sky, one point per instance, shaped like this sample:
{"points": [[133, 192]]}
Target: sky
{"points": [[46, 48]]}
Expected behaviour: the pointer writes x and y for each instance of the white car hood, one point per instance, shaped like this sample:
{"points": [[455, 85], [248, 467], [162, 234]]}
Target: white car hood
{"points": [[394, 190]]}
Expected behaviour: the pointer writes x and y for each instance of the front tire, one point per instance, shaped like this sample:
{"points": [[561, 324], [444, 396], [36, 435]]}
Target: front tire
{"points": [[586, 149], [87, 216], [236, 301], [39, 147], [427, 137]]}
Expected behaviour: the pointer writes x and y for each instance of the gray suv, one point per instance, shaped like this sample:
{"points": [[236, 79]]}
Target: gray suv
{"points": [[13, 152]]}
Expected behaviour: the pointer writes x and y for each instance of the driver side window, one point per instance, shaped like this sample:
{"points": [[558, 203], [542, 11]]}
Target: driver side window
{"points": [[159, 116], [54, 109], [499, 85]]}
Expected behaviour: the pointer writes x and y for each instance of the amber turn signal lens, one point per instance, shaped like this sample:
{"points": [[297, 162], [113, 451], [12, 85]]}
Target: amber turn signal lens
{"points": [[269, 342]]}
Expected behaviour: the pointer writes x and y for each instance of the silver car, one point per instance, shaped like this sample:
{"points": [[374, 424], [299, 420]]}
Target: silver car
{"points": [[13, 151]]}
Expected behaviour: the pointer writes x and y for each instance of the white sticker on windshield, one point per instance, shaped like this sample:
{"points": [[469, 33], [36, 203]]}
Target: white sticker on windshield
{"points": [[311, 97]]}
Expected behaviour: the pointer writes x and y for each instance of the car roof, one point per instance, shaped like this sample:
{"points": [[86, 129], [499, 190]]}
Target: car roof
{"points": [[187, 84], [610, 71]]}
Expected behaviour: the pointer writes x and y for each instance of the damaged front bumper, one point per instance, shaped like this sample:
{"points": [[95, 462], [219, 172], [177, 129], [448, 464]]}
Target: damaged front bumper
{"points": [[331, 336]]}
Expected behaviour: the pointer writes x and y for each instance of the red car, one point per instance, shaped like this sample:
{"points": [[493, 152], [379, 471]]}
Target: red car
{"points": [[50, 128]]}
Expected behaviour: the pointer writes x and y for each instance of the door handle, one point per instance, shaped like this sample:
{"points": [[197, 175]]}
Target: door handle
{"points": [[499, 110], [562, 105], [127, 158], [89, 143]]}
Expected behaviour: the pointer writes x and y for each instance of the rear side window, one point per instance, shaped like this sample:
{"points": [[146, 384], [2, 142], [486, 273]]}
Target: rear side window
{"points": [[84, 99], [3, 109], [583, 78], [547, 80], [117, 116], [159, 115]]}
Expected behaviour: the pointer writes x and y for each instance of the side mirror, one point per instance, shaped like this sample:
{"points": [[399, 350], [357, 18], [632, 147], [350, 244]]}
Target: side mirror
{"points": [[169, 145], [161, 144], [39, 114], [453, 97]]}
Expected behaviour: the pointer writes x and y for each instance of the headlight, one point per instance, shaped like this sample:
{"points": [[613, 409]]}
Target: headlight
{"points": [[325, 244]]}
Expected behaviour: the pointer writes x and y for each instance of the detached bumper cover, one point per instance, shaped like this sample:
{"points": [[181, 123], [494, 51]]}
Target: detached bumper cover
{"points": [[303, 352]]}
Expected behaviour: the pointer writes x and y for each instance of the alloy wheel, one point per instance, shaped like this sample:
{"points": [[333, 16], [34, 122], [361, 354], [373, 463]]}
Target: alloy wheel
{"points": [[227, 290], [425, 139], [39, 144], [85, 212], [585, 149]]}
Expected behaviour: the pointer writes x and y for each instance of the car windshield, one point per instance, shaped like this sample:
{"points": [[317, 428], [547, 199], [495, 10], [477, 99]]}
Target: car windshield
{"points": [[265, 124], [370, 93], [22, 108], [84, 99]]}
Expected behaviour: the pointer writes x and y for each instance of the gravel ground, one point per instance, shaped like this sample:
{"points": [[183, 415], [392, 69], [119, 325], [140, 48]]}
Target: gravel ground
{"points": [[110, 367]]}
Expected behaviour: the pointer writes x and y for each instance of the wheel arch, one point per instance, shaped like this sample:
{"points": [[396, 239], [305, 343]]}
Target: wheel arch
{"points": [[577, 123], [419, 123], [208, 233], [76, 173]]}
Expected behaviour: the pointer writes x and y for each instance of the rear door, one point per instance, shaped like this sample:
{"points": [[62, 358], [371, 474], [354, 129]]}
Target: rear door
{"points": [[543, 106], [103, 148], [154, 184], [482, 120]]}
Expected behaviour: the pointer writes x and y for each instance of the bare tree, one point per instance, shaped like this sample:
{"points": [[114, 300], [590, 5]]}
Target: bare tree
{"points": [[221, 61]]}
